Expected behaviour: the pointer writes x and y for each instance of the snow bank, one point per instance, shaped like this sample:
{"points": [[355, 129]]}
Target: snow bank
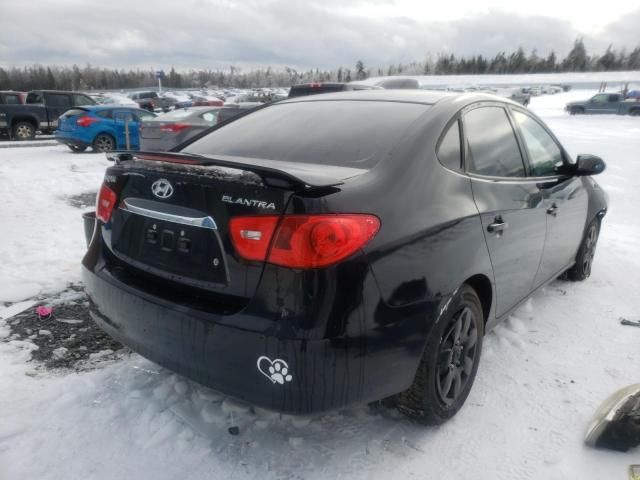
{"points": [[42, 241]]}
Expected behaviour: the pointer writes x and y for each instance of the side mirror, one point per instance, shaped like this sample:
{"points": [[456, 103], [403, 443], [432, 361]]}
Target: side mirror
{"points": [[589, 165]]}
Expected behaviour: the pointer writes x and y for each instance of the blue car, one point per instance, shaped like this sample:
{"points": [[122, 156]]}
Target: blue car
{"points": [[101, 127]]}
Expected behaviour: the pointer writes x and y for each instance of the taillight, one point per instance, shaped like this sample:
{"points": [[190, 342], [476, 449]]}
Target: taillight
{"points": [[174, 127], [86, 121], [107, 199], [302, 241]]}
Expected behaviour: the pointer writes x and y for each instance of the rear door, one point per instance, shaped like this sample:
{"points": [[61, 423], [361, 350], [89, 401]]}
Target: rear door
{"points": [[564, 197], [510, 205], [57, 104], [125, 126], [139, 116]]}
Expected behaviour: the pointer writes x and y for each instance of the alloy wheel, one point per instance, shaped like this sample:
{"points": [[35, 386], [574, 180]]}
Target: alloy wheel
{"points": [[456, 356], [103, 143], [589, 249]]}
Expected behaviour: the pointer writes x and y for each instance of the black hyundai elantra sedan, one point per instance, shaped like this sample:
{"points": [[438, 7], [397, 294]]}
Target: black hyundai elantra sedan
{"points": [[340, 248]]}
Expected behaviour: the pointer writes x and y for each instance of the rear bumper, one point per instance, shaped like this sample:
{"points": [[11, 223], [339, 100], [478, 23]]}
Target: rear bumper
{"points": [[71, 141], [325, 373]]}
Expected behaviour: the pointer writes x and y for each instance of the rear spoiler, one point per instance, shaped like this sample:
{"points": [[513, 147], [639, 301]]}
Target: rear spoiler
{"points": [[289, 175]]}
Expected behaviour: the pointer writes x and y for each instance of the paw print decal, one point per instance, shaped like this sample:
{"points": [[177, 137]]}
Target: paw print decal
{"points": [[275, 370]]}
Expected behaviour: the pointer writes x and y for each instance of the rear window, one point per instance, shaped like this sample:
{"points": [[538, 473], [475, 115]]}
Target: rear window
{"points": [[35, 97], [227, 113], [304, 90], [10, 99], [58, 100], [342, 133], [75, 112]]}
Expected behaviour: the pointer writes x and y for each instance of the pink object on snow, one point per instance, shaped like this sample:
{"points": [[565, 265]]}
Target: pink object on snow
{"points": [[44, 312]]}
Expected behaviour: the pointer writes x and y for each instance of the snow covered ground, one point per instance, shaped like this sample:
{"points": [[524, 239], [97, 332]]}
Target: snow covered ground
{"points": [[542, 375]]}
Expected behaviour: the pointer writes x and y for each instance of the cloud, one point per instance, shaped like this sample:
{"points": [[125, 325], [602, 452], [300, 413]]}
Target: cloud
{"points": [[219, 33]]}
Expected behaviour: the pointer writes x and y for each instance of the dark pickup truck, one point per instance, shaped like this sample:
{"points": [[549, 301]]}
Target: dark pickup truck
{"points": [[39, 113], [605, 103]]}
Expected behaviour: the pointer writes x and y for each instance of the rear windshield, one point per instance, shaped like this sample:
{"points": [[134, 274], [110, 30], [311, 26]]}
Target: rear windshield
{"points": [[74, 112], [303, 90], [342, 133]]}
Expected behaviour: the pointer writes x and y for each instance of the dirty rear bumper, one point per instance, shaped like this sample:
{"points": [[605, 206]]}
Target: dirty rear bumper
{"points": [[325, 374]]}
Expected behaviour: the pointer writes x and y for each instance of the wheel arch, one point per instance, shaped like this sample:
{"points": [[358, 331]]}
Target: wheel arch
{"points": [[24, 118], [483, 288]]}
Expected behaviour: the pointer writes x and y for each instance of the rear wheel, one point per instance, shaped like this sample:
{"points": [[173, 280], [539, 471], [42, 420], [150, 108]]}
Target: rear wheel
{"points": [[77, 148], [449, 362], [24, 131], [635, 112], [584, 259], [103, 143]]}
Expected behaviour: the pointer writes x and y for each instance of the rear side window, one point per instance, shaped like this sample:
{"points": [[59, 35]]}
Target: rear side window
{"points": [[545, 157], [58, 100], [342, 133], [104, 113], [449, 151], [491, 143], [10, 99], [227, 113], [35, 97]]}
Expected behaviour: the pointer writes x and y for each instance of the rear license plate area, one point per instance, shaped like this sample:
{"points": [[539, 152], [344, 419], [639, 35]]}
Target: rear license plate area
{"points": [[183, 253]]}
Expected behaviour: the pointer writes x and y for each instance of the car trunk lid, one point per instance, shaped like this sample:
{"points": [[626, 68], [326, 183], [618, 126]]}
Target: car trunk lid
{"points": [[172, 220]]}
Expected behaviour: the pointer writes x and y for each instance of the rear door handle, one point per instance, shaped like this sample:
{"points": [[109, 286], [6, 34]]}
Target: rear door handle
{"points": [[553, 210], [497, 226]]}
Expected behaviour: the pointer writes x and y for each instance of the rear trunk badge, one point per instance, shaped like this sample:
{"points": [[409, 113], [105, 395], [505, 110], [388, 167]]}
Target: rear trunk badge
{"points": [[275, 370], [162, 188]]}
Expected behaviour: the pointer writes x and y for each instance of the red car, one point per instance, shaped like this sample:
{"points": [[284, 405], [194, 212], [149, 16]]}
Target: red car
{"points": [[206, 101]]}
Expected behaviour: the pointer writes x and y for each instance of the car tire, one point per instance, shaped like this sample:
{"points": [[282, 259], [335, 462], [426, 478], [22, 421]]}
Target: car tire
{"points": [[584, 259], [24, 131], [635, 112], [449, 362], [76, 148], [576, 110], [103, 143]]}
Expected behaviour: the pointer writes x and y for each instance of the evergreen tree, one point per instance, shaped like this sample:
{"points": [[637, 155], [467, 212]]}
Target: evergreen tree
{"points": [[577, 60]]}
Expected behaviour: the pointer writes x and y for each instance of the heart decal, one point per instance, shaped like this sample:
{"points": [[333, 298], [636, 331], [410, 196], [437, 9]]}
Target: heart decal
{"points": [[275, 370]]}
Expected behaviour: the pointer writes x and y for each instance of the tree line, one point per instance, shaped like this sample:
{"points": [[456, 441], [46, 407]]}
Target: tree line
{"points": [[95, 78]]}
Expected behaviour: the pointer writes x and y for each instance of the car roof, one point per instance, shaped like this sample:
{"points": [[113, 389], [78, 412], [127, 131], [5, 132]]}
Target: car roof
{"points": [[57, 91], [426, 97]]}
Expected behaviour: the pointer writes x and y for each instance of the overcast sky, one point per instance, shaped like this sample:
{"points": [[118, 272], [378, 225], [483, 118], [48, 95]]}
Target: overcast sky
{"points": [[325, 34]]}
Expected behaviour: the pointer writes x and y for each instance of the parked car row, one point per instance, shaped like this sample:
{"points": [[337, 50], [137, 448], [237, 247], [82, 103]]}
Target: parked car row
{"points": [[107, 127]]}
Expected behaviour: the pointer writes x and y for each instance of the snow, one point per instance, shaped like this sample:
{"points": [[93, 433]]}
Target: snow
{"points": [[42, 235], [542, 375]]}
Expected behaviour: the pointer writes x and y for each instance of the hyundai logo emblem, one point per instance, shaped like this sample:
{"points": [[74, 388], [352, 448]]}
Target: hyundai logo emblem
{"points": [[162, 188]]}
